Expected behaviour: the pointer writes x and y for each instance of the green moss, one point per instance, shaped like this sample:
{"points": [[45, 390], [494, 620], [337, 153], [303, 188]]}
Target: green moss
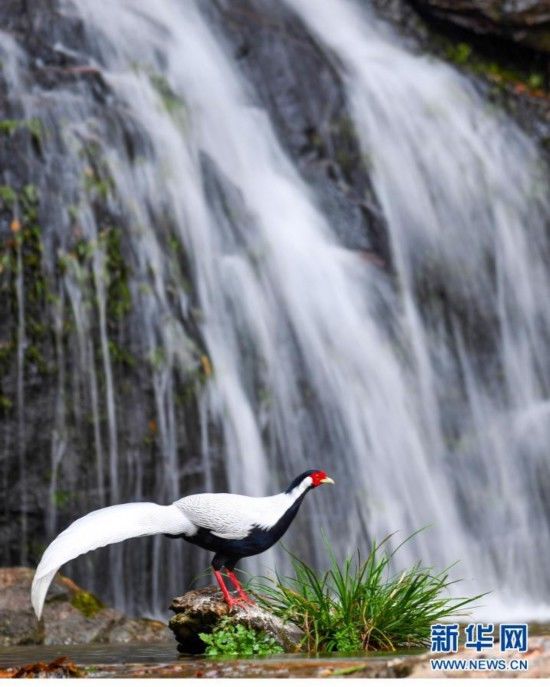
{"points": [[459, 53], [535, 81], [7, 351], [62, 498], [115, 279], [7, 262], [25, 243], [8, 126], [97, 186], [36, 329], [83, 250], [179, 266], [8, 196], [500, 72], [187, 392], [98, 183], [120, 355], [174, 244], [88, 604], [34, 357], [119, 297], [34, 126], [5, 404], [36, 286], [29, 201]]}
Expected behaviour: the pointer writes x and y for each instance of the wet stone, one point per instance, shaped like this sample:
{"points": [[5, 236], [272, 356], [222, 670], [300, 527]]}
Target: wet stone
{"points": [[71, 616]]}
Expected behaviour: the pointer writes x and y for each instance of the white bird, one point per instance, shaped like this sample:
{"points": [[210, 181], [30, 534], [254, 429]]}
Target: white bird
{"points": [[231, 525]]}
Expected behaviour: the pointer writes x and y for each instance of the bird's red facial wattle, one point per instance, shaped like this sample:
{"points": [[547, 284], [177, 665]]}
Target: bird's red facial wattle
{"points": [[320, 477]]}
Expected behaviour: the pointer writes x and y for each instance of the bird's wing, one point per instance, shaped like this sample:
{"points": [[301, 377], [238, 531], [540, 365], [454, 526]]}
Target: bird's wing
{"points": [[224, 515], [100, 528], [231, 516]]}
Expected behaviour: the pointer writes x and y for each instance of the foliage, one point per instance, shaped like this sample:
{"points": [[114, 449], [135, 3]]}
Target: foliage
{"points": [[235, 639], [360, 604], [119, 298], [21, 256], [500, 72], [9, 126]]}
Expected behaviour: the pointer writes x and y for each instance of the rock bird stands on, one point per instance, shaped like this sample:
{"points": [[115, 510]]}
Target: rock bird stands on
{"points": [[231, 525]]}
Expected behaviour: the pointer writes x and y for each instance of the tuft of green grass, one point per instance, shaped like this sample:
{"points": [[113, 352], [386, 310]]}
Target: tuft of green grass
{"points": [[235, 639], [361, 605]]}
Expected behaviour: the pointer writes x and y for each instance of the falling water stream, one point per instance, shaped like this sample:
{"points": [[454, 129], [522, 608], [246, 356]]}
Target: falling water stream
{"points": [[423, 389]]}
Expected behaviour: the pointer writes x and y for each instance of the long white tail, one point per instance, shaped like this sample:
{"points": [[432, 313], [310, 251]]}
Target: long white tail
{"points": [[99, 528]]}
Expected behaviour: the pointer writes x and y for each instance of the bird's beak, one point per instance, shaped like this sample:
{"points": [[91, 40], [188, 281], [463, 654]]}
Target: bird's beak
{"points": [[327, 480]]}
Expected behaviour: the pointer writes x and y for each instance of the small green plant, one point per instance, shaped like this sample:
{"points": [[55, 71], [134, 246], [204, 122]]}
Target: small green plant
{"points": [[461, 53], [360, 605], [231, 639]]}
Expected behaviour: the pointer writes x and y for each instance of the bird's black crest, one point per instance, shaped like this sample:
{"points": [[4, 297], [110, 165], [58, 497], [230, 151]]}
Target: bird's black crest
{"points": [[296, 482]]}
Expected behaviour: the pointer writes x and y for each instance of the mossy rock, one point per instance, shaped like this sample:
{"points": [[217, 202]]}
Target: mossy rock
{"points": [[88, 604]]}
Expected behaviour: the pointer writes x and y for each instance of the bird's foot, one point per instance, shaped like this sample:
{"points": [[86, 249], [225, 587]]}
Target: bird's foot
{"points": [[242, 599], [243, 596], [239, 602]]}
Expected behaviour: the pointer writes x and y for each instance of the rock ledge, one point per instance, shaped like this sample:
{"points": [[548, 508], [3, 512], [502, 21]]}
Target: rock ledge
{"points": [[201, 610], [71, 616]]}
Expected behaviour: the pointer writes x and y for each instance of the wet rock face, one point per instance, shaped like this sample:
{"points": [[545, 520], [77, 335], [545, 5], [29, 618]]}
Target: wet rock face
{"points": [[526, 22], [71, 616], [297, 83], [426, 28], [58, 117], [200, 610]]}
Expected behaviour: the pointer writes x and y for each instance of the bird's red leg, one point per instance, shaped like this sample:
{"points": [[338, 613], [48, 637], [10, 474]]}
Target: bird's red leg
{"points": [[226, 595], [240, 591]]}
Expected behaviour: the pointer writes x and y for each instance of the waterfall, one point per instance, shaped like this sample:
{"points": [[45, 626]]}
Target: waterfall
{"points": [[422, 386], [466, 205]]}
